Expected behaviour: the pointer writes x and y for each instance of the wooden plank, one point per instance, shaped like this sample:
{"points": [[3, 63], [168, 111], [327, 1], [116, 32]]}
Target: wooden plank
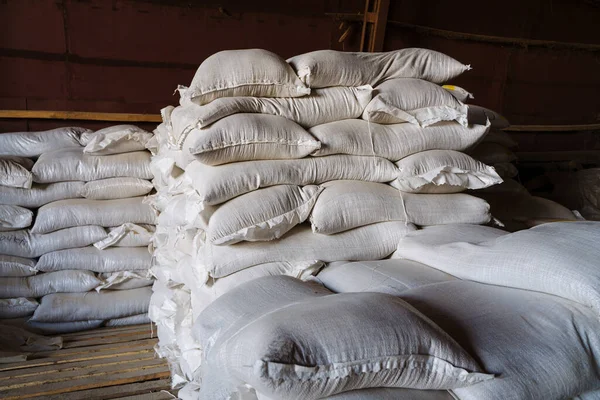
{"points": [[88, 382], [114, 392], [134, 336], [80, 115], [152, 396], [82, 370], [374, 24], [552, 128], [25, 373], [81, 354]]}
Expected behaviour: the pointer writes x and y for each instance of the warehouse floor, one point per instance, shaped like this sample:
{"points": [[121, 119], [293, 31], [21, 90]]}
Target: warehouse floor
{"points": [[106, 363]]}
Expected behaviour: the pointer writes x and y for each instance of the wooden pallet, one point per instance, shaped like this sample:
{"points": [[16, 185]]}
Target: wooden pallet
{"points": [[106, 363]]}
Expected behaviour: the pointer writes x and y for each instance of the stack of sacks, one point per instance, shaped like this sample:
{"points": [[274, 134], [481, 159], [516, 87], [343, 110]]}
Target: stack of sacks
{"points": [[512, 205], [74, 223], [283, 167]]}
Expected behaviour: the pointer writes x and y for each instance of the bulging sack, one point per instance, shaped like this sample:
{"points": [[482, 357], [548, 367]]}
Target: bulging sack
{"points": [[17, 308], [395, 141], [459, 93], [74, 165], [11, 266], [261, 215], [371, 242], [33, 144], [14, 217], [115, 188], [77, 212], [14, 175], [24, 243], [40, 194], [218, 184], [115, 140], [68, 307], [53, 282], [480, 115], [252, 72], [492, 153], [322, 106], [416, 101], [90, 258], [243, 137], [345, 205], [325, 68], [443, 171]]}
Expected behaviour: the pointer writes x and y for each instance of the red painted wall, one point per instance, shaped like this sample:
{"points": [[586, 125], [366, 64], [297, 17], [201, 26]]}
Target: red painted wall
{"points": [[129, 55]]}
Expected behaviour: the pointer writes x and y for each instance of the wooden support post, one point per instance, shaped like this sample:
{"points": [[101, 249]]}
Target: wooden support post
{"points": [[374, 23]]}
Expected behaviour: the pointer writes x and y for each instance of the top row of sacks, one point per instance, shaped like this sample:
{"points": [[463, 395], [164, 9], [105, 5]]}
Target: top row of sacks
{"points": [[261, 73]]}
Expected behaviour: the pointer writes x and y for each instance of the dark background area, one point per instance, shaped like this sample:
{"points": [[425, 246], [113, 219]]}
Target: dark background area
{"points": [[129, 55]]}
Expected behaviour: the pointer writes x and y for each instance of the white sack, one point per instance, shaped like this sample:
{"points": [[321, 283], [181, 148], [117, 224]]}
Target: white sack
{"points": [[14, 217], [124, 280], [74, 165], [17, 308], [453, 233], [371, 242], [77, 212], [443, 171], [24, 162], [325, 68], [184, 210], [23, 243], [263, 214], [139, 319], [40, 194], [115, 188], [540, 346], [218, 184], [492, 153], [383, 276], [243, 137], [344, 205], [13, 174], [500, 137], [59, 328], [203, 295], [115, 140], [33, 144], [518, 212], [555, 258], [394, 142], [68, 307], [480, 115], [322, 106], [506, 170], [416, 101], [459, 93], [90, 258], [16, 266], [127, 235], [66, 281], [250, 72]]}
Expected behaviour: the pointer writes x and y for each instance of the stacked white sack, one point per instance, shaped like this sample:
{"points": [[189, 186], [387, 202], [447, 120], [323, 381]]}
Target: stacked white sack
{"points": [[510, 202], [283, 167], [75, 223]]}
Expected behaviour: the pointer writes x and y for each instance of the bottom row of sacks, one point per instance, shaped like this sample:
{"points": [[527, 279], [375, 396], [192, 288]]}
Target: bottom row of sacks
{"points": [[459, 312]]}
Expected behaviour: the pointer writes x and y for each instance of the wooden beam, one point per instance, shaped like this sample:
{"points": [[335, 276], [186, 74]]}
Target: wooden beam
{"points": [[374, 24], [552, 128], [80, 115], [501, 40]]}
